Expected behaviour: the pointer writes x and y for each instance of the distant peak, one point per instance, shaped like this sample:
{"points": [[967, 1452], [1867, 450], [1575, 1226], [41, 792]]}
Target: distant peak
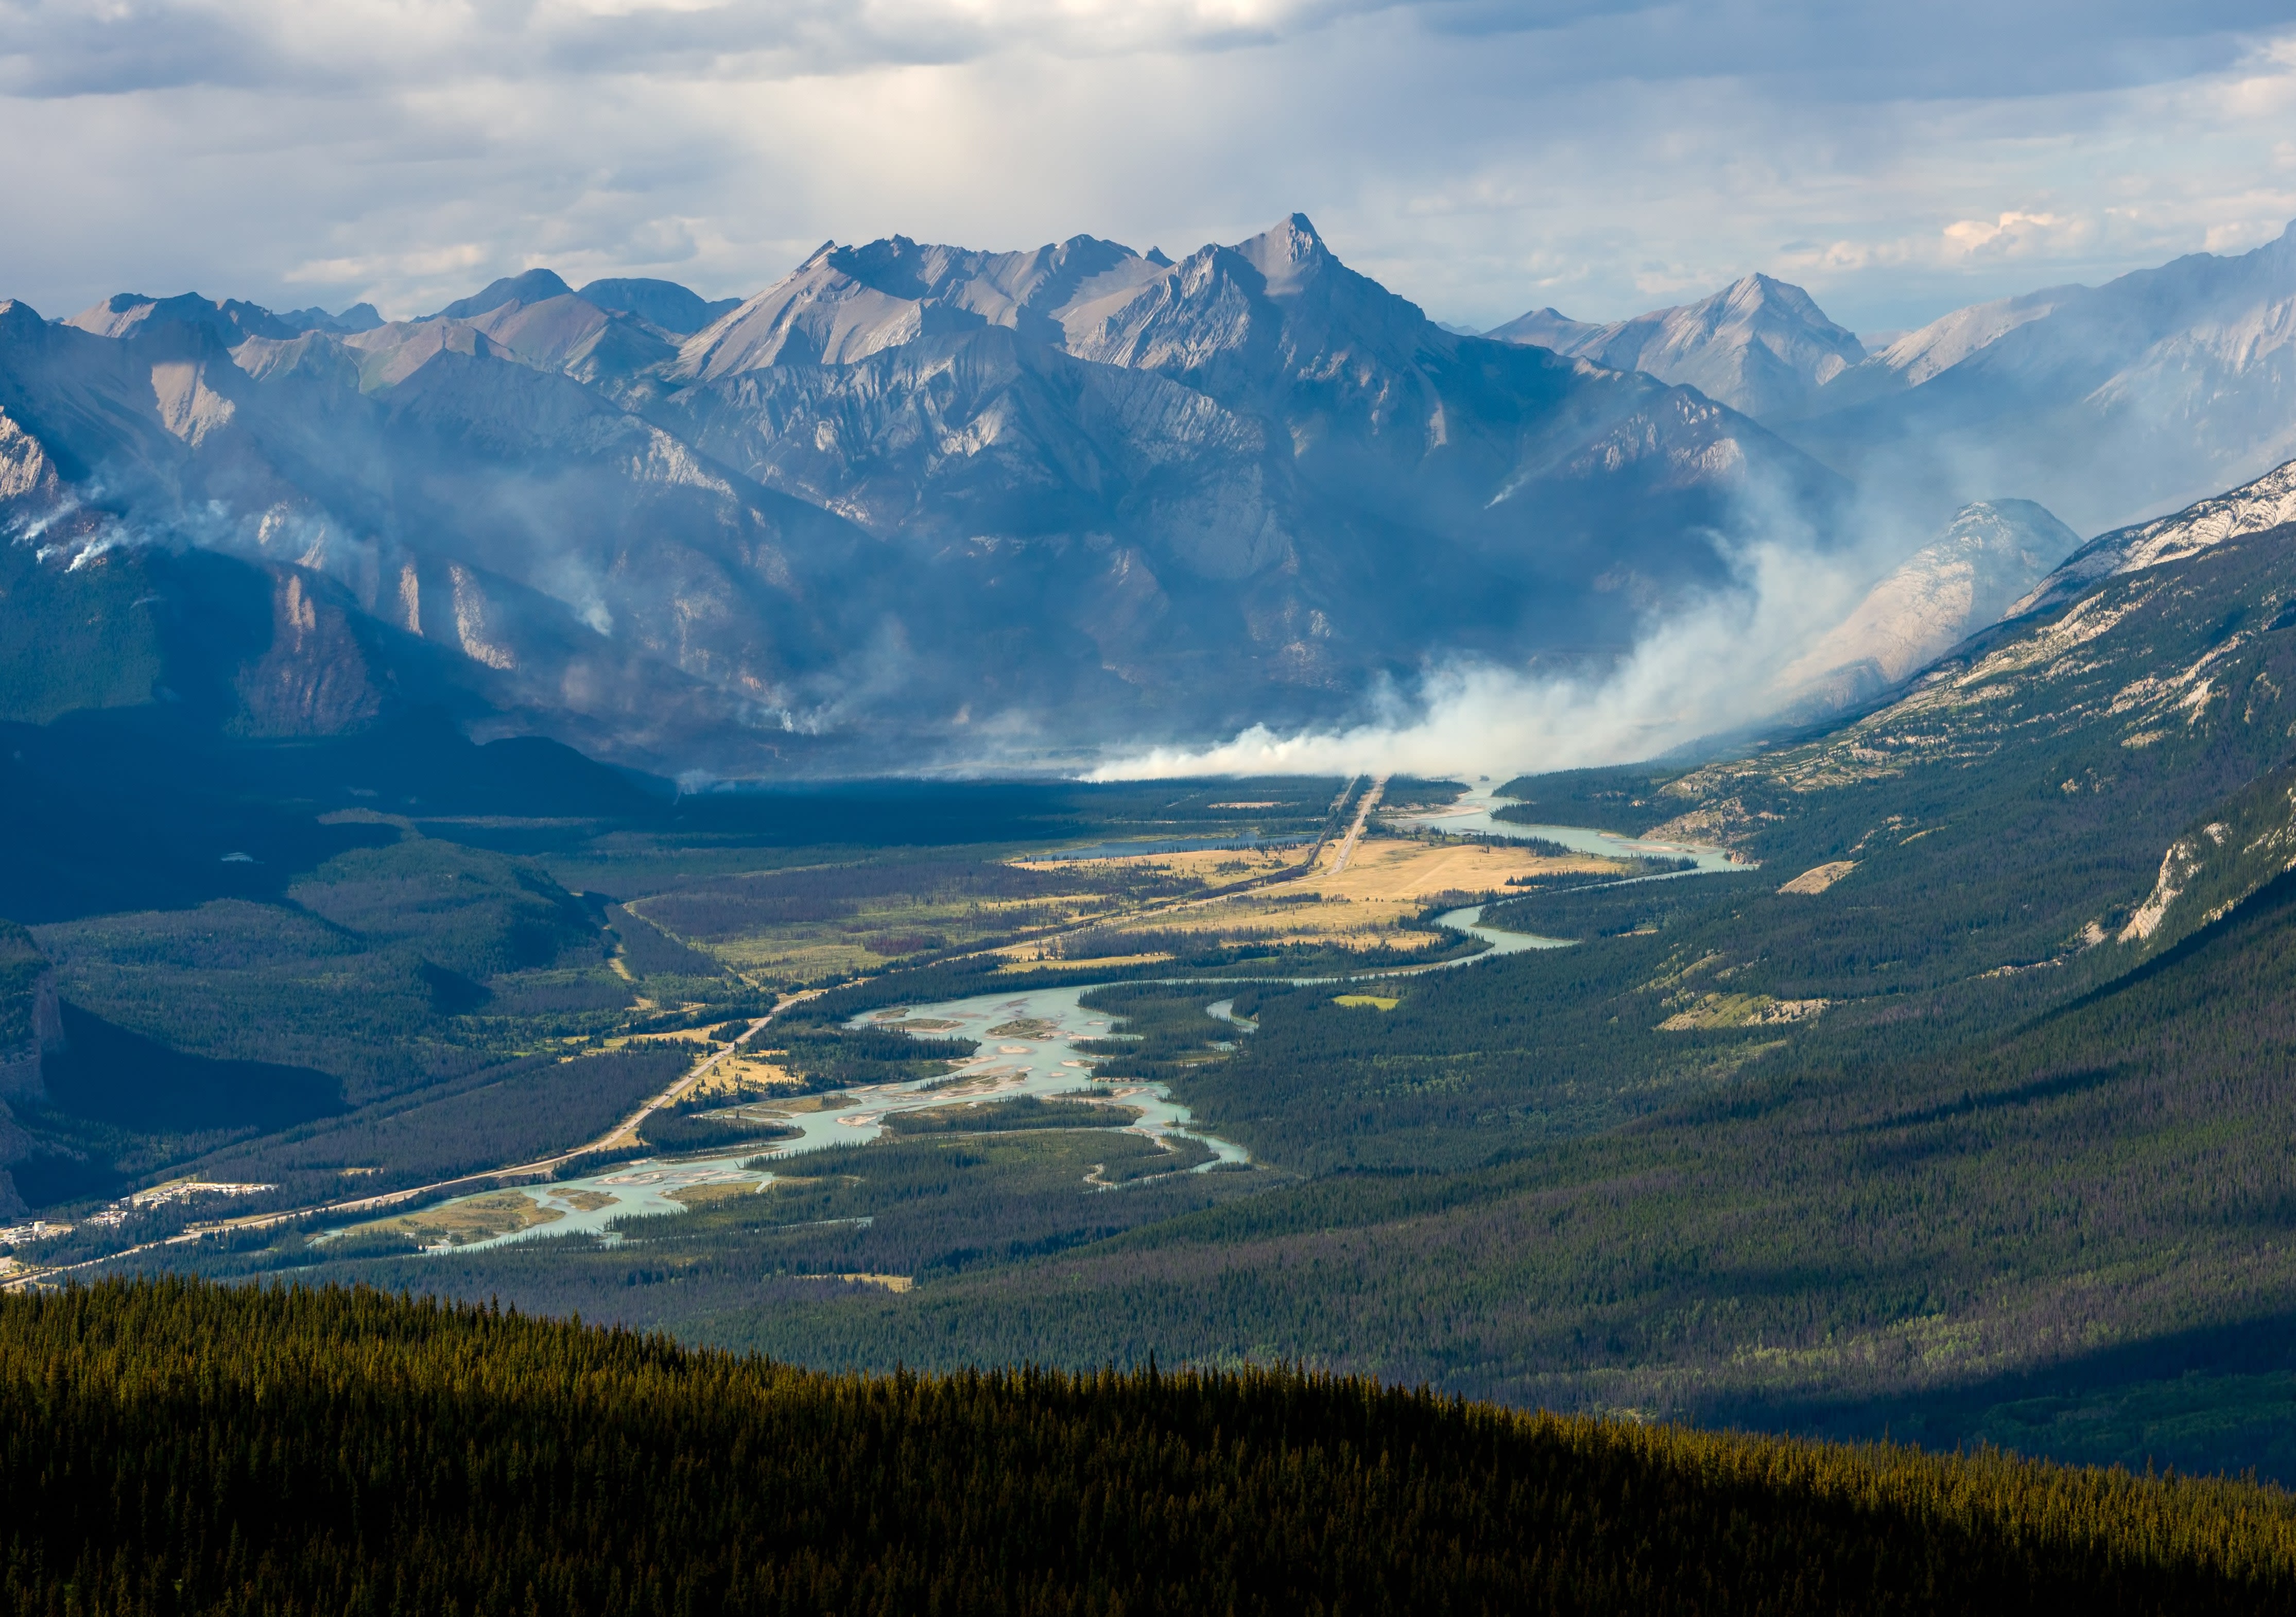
{"points": [[1304, 225], [533, 286], [1766, 288], [1156, 256], [676, 309]]}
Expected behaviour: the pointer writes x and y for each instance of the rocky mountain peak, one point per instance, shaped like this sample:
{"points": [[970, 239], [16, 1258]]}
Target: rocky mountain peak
{"points": [[1546, 328], [130, 314], [357, 317], [1759, 345], [676, 309], [1287, 252], [844, 304], [2172, 382], [1098, 491]]}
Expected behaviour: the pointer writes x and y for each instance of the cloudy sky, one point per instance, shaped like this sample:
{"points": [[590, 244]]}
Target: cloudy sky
{"points": [[1479, 156]]}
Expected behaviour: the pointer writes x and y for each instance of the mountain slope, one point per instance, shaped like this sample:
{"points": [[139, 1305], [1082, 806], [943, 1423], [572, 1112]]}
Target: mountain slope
{"points": [[2104, 403], [2268, 502], [1988, 559], [1241, 448], [1961, 1109], [463, 498], [575, 1454], [673, 308]]}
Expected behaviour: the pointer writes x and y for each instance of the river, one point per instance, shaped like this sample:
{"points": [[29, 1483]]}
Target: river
{"points": [[1471, 816], [1027, 1040]]}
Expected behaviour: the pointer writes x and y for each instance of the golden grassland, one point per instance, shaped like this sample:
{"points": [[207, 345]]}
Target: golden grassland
{"points": [[809, 951], [1387, 883], [1388, 880], [736, 1076], [1018, 963], [1216, 867]]}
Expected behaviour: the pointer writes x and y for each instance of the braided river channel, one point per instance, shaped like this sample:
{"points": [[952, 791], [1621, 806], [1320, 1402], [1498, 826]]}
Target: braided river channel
{"points": [[1028, 1039]]}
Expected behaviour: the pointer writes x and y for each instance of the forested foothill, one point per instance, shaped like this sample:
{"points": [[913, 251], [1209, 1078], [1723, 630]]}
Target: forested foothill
{"points": [[169, 1448]]}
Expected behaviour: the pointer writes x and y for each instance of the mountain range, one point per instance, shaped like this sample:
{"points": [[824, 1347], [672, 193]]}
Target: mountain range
{"points": [[2106, 404], [979, 505], [922, 503]]}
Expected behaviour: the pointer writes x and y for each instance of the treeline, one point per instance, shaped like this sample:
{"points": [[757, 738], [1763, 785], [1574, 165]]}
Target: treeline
{"points": [[1612, 799], [685, 1130], [1607, 908], [649, 951], [1638, 868], [837, 1058], [168, 1448], [1021, 1112], [22, 967]]}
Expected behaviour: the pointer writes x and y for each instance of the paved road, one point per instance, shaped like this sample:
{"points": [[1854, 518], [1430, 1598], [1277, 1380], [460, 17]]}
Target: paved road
{"points": [[1363, 818]]}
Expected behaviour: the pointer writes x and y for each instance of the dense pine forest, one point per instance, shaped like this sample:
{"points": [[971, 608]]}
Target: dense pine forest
{"points": [[171, 1447]]}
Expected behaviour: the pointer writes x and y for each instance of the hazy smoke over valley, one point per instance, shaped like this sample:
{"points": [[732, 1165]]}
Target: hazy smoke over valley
{"points": [[1710, 668]]}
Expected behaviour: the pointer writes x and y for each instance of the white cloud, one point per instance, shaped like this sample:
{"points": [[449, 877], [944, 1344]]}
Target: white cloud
{"points": [[1482, 156]]}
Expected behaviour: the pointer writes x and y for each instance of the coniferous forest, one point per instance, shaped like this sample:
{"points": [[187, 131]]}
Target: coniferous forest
{"points": [[173, 1447]]}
